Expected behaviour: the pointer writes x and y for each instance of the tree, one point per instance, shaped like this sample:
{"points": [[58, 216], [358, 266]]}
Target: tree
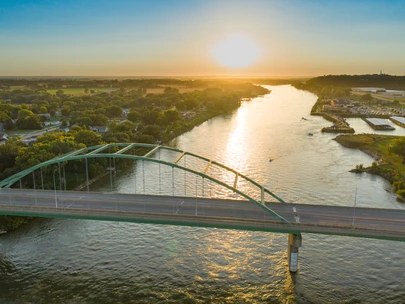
{"points": [[170, 90], [8, 154], [398, 147], [60, 93], [171, 116], [84, 121], [43, 110], [116, 137], [65, 111], [366, 97], [9, 124], [28, 120], [150, 117], [133, 116], [147, 139], [114, 111], [22, 114], [99, 119], [88, 138]]}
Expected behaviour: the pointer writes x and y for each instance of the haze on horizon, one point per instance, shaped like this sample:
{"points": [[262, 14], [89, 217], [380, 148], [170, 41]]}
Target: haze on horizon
{"points": [[201, 38]]}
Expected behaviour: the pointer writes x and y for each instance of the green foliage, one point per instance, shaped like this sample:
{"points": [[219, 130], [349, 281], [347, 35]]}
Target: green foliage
{"points": [[113, 111], [88, 138], [9, 124], [28, 120], [148, 139], [399, 185], [150, 117], [366, 97], [84, 121], [10, 223], [398, 147], [8, 155], [133, 116], [60, 93], [43, 110], [401, 193], [116, 137]]}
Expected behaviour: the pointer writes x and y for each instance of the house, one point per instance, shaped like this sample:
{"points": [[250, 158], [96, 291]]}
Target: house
{"points": [[339, 102], [51, 123], [99, 129], [47, 115], [64, 128]]}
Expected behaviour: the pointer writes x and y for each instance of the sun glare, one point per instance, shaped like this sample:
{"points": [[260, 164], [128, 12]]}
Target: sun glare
{"points": [[235, 52]]}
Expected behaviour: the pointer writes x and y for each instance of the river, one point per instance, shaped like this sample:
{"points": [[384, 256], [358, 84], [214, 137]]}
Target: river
{"points": [[76, 261]]}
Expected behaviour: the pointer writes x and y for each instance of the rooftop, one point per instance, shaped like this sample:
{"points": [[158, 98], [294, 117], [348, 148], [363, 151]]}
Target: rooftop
{"points": [[399, 119]]}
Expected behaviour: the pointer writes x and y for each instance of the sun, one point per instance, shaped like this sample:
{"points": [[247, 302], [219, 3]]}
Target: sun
{"points": [[235, 52]]}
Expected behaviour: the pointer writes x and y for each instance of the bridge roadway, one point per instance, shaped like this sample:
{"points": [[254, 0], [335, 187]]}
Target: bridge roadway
{"points": [[232, 214]]}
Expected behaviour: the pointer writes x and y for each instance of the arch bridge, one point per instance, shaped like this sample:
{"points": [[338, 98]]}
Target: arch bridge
{"points": [[222, 197]]}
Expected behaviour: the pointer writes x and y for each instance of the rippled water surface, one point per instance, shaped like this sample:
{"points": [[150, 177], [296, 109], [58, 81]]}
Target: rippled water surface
{"points": [[76, 261]]}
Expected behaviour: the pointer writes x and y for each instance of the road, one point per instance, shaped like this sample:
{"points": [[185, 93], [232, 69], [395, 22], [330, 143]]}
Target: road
{"points": [[33, 133], [366, 222]]}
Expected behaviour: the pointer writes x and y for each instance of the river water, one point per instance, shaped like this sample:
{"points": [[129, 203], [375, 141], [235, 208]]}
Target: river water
{"points": [[76, 261]]}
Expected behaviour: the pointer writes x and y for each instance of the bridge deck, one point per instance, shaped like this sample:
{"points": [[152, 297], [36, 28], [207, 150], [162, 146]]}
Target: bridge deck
{"points": [[232, 214]]}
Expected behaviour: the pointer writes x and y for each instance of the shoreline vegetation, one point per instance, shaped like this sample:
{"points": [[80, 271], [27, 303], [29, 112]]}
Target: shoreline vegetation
{"points": [[387, 164], [336, 101], [129, 112]]}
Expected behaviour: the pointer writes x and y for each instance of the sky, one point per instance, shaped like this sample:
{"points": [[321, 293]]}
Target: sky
{"points": [[286, 38]]}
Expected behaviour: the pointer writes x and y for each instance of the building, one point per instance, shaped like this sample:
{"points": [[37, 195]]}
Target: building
{"points": [[99, 129], [398, 120], [339, 102], [64, 128], [379, 124]]}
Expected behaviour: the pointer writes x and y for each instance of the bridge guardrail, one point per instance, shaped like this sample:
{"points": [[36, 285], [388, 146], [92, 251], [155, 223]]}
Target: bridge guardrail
{"points": [[199, 220]]}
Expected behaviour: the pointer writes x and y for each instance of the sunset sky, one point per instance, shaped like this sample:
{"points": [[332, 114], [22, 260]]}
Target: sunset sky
{"points": [[201, 37]]}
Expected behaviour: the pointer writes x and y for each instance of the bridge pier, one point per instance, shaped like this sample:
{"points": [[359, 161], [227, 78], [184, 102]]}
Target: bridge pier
{"points": [[294, 242]]}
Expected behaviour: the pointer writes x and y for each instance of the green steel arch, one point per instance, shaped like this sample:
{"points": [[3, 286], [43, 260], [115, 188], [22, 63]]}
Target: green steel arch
{"points": [[94, 152]]}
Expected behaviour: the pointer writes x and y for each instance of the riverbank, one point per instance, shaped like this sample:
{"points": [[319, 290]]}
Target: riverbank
{"points": [[387, 165]]}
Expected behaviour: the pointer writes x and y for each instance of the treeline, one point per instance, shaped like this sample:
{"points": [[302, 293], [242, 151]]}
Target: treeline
{"points": [[57, 83], [20, 108], [369, 80], [143, 83]]}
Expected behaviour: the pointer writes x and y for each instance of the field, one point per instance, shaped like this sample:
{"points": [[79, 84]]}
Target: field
{"points": [[181, 90], [80, 91], [381, 96]]}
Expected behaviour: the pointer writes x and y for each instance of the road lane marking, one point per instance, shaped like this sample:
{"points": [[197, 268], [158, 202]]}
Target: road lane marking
{"points": [[179, 207]]}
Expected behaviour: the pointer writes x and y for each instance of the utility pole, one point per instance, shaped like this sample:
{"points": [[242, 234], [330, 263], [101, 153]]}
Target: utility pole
{"points": [[354, 207]]}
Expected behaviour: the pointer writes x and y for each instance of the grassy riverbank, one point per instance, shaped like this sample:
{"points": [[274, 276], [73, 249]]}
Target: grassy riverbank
{"points": [[388, 165]]}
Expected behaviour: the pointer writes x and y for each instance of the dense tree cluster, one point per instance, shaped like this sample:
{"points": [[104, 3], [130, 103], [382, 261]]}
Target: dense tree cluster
{"points": [[151, 116], [370, 80]]}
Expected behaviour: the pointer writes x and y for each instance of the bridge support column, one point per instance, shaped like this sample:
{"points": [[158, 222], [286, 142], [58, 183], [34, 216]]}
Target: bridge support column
{"points": [[294, 242]]}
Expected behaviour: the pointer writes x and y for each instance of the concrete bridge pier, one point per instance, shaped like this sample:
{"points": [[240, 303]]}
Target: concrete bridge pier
{"points": [[294, 242]]}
